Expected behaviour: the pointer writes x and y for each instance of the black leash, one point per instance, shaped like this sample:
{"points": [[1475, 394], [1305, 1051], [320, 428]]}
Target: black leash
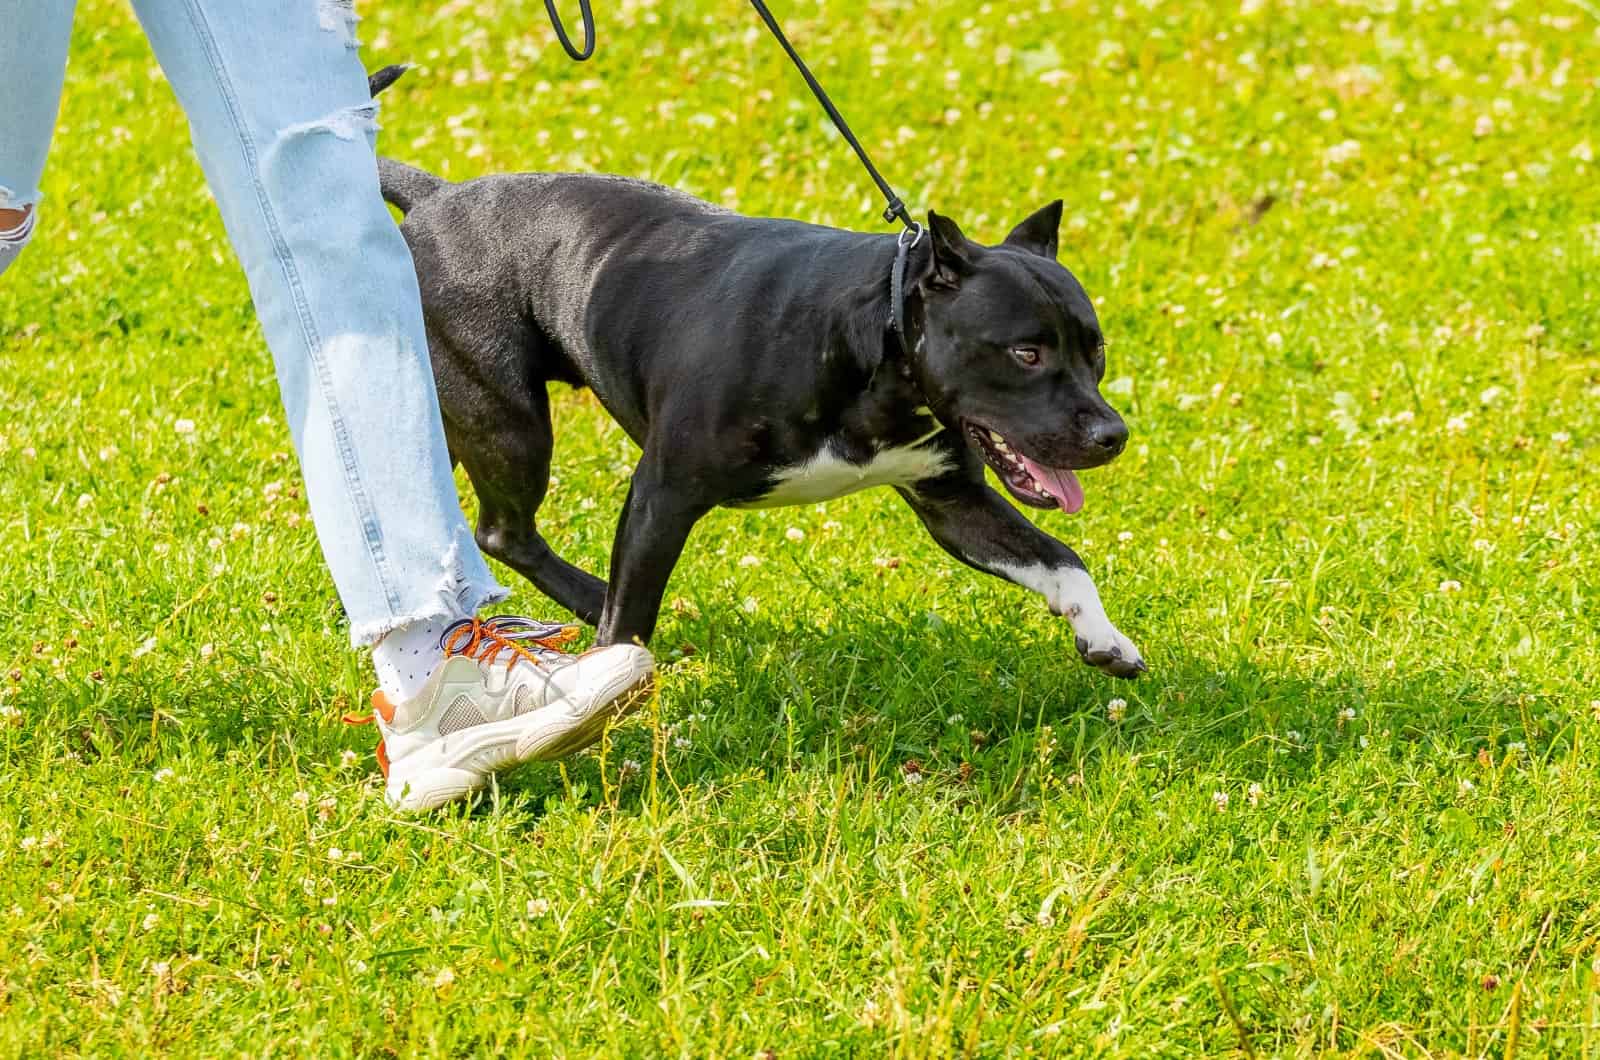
{"points": [[561, 30], [911, 235], [895, 210]]}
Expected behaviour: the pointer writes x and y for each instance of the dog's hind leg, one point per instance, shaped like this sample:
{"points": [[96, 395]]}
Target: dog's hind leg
{"points": [[509, 464]]}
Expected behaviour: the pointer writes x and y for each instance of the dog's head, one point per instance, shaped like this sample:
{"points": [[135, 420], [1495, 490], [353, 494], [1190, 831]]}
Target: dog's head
{"points": [[1010, 353]]}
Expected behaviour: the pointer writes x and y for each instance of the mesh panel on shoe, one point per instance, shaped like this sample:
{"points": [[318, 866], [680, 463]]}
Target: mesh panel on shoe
{"points": [[459, 715], [524, 700]]}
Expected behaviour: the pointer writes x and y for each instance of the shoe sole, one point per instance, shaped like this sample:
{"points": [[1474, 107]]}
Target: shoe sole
{"points": [[455, 766]]}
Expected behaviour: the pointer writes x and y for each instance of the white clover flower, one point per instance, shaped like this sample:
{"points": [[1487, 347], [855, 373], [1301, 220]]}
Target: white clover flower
{"points": [[1117, 709], [163, 775], [300, 799], [682, 743], [150, 922], [1491, 395], [794, 533], [1347, 714], [1456, 424], [750, 561], [347, 758], [750, 605], [1342, 152], [1255, 793], [537, 907], [1449, 585], [183, 426], [335, 854], [1219, 801]]}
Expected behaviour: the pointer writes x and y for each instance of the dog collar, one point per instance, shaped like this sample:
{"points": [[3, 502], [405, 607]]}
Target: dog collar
{"points": [[904, 244]]}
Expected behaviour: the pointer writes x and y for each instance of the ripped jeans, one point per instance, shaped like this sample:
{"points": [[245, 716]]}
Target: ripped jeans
{"points": [[280, 117]]}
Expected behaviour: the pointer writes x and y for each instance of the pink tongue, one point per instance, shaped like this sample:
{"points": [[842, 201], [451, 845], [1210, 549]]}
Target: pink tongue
{"points": [[1060, 483]]}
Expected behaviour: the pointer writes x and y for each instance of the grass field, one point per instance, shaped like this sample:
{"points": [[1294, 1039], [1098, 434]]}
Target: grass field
{"points": [[1347, 256]]}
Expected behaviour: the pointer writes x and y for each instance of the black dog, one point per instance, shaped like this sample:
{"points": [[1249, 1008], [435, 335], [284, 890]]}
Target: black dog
{"points": [[754, 362]]}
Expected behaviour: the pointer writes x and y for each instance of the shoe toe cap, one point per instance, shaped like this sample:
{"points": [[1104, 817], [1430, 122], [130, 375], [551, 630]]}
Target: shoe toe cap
{"points": [[603, 674]]}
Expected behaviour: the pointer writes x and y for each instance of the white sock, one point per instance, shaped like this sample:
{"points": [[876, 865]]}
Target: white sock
{"points": [[406, 656]]}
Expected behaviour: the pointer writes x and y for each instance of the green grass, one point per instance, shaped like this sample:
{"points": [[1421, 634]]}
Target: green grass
{"points": [[1382, 388]]}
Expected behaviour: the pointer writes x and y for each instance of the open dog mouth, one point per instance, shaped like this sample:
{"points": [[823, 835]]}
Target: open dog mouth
{"points": [[1034, 484]]}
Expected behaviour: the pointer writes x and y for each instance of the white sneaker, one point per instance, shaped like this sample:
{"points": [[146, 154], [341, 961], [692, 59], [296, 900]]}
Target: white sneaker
{"points": [[504, 695]]}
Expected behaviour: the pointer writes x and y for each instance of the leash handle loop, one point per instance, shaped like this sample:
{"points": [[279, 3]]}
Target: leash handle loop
{"points": [[561, 30], [896, 209]]}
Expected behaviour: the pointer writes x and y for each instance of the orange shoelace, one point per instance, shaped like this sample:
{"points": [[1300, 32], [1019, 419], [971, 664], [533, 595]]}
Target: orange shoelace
{"points": [[484, 640]]}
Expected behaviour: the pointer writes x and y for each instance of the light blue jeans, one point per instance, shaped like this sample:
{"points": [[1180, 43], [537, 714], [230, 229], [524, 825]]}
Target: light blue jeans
{"points": [[280, 117]]}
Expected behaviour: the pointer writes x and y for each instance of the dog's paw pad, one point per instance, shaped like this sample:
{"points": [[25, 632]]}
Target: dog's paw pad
{"points": [[1112, 653]]}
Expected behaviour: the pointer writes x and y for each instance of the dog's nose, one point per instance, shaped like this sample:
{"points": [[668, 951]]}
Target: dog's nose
{"points": [[1108, 435]]}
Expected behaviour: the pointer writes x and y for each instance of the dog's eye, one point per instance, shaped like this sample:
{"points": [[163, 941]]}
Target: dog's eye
{"points": [[1028, 355]]}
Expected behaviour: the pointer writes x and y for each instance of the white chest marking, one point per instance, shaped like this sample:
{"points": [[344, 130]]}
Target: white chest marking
{"points": [[827, 475]]}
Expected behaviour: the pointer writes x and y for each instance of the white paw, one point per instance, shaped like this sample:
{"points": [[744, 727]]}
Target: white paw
{"points": [[1071, 592], [1103, 646]]}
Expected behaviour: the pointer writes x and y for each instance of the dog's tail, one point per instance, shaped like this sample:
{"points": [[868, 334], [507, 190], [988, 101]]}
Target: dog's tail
{"points": [[377, 82], [403, 185]]}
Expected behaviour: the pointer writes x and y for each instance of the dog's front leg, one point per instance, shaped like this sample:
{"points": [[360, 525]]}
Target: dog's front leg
{"points": [[654, 527], [975, 525]]}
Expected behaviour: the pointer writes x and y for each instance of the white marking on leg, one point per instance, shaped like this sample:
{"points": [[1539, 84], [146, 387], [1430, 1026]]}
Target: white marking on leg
{"points": [[1071, 592]]}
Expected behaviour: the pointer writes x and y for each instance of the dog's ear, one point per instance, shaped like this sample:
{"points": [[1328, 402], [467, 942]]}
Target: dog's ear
{"points": [[1039, 233], [951, 256]]}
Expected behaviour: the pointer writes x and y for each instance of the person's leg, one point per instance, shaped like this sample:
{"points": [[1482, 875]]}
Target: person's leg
{"points": [[33, 64], [280, 116], [281, 119]]}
